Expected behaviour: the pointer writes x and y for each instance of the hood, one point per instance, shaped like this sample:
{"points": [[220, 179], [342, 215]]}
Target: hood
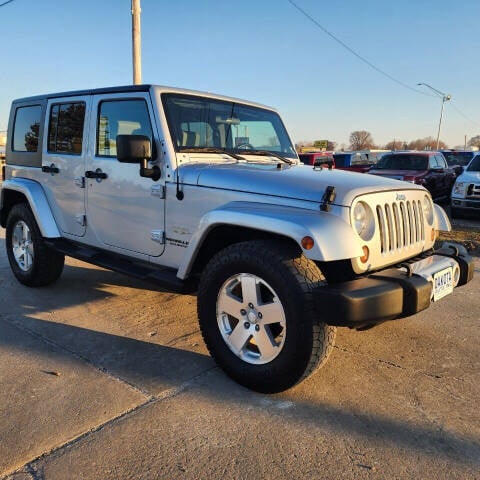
{"points": [[399, 174], [300, 182], [472, 177]]}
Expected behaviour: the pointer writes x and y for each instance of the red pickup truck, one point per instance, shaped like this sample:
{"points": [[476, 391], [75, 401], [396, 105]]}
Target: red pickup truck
{"points": [[324, 159]]}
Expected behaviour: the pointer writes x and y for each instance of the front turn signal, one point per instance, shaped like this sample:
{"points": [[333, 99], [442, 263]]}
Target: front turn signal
{"points": [[366, 254], [307, 243]]}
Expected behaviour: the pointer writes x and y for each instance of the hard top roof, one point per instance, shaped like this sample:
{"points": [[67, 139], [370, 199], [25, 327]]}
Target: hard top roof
{"points": [[137, 88]]}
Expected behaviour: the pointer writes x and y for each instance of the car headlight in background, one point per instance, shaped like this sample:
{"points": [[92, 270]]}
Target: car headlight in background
{"points": [[363, 221], [459, 188], [428, 209]]}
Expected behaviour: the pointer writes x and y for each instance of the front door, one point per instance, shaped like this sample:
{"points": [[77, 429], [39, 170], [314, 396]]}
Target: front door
{"points": [[124, 210], [63, 162]]}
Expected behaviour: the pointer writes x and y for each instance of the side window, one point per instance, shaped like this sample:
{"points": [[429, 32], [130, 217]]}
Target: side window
{"points": [[26, 128], [65, 128], [441, 162], [432, 162], [120, 117]]}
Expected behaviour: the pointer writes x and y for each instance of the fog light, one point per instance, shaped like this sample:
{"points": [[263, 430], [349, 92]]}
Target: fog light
{"points": [[456, 275], [307, 243], [366, 254]]}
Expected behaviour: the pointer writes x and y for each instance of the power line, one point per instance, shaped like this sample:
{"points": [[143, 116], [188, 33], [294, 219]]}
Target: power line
{"points": [[463, 115], [353, 52], [4, 3]]}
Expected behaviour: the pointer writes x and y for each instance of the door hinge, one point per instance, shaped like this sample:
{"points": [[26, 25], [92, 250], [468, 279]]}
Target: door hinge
{"points": [[157, 191], [81, 219], [79, 182], [158, 236]]}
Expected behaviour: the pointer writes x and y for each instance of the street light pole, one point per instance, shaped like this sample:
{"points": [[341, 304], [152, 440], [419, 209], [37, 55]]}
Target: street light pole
{"points": [[445, 98], [136, 43]]}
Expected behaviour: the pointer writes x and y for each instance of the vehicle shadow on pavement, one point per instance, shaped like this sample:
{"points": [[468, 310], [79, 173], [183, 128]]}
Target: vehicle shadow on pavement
{"points": [[156, 368]]}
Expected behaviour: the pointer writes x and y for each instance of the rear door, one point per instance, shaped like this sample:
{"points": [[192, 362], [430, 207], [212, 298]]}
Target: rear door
{"points": [[63, 161], [124, 210]]}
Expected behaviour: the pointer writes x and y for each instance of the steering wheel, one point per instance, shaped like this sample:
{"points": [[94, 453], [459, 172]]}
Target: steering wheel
{"points": [[245, 146]]}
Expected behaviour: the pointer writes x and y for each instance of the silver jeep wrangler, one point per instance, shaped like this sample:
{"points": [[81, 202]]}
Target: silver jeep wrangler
{"points": [[200, 191]]}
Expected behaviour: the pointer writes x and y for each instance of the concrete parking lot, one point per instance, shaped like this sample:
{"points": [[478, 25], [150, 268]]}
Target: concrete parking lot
{"points": [[105, 377]]}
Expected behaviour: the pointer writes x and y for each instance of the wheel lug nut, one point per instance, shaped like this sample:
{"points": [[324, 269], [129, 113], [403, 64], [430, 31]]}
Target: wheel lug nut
{"points": [[250, 305], [257, 328], [246, 325], [243, 311]]}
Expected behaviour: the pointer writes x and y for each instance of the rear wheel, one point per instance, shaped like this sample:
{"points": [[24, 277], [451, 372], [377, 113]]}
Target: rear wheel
{"points": [[32, 262], [256, 313]]}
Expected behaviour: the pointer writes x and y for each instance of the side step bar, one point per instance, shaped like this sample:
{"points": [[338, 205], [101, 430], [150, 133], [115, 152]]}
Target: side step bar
{"points": [[162, 276]]}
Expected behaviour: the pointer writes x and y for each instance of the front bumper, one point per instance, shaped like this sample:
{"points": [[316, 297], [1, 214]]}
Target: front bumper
{"points": [[466, 204], [392, 293]]}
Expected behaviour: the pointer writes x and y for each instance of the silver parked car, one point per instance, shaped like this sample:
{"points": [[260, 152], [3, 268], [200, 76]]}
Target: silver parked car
{"points": [[200, 191]]}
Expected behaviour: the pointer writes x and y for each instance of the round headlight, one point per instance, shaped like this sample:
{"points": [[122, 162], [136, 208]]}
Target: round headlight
{"points": [[363, 221], [428, 209]]}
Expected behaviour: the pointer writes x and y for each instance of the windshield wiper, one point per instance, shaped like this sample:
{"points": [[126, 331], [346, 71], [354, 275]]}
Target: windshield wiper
{"points": [[211, 150], [266, 153]]}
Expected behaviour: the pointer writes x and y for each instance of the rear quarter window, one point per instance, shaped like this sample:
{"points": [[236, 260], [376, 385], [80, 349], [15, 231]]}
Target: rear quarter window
{"points": [[26, 128]]}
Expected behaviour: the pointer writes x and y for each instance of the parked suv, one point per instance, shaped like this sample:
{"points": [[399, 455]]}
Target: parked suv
{"points": [[466, 191], [429, 169], [199, 191]]}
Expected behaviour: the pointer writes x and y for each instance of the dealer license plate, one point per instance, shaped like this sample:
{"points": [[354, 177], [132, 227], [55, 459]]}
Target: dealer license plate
{"points": [[442, 283]]}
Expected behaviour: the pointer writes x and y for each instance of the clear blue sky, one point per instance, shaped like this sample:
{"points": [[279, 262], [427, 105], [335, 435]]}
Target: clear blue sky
{"points": [[266, 51]]}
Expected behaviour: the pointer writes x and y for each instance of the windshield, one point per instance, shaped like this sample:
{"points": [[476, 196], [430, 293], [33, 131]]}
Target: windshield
{"points": [[458, 158], [205, 123], [474, 164], [404, 161]]}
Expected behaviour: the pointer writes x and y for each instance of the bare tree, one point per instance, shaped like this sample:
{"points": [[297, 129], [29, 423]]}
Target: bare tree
{"points": [[396, 145], [474, 141], [427, 143], [361, 140]]}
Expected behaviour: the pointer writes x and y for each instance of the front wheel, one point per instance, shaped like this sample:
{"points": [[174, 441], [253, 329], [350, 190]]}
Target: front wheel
{"points": [[31, 261], [256, 313]]}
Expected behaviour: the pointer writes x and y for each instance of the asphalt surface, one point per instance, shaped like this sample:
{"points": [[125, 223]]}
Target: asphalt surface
{"points": [[105, 377]]}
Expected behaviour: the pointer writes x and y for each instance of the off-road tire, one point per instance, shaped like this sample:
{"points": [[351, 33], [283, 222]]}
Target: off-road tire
{"points": [[47, 265], [308, 342]]}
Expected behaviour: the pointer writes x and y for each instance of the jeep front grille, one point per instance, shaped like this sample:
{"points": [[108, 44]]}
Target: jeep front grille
{"points": [[401, 225]]}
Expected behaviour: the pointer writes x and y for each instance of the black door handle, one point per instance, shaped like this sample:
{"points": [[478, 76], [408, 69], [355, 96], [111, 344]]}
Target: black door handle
{"points": [[50, 169], [98, 174]]}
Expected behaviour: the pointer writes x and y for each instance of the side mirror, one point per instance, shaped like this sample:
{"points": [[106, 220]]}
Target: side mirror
{"points": [[133, 148], [137, 149]]}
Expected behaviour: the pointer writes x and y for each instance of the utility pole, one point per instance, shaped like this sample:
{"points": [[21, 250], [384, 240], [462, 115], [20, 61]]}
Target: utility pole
{"points": [[445, 98], [136, 43]]}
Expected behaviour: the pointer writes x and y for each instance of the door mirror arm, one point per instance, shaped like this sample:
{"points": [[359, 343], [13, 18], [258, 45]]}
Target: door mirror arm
{"points": [[149, 172]]}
